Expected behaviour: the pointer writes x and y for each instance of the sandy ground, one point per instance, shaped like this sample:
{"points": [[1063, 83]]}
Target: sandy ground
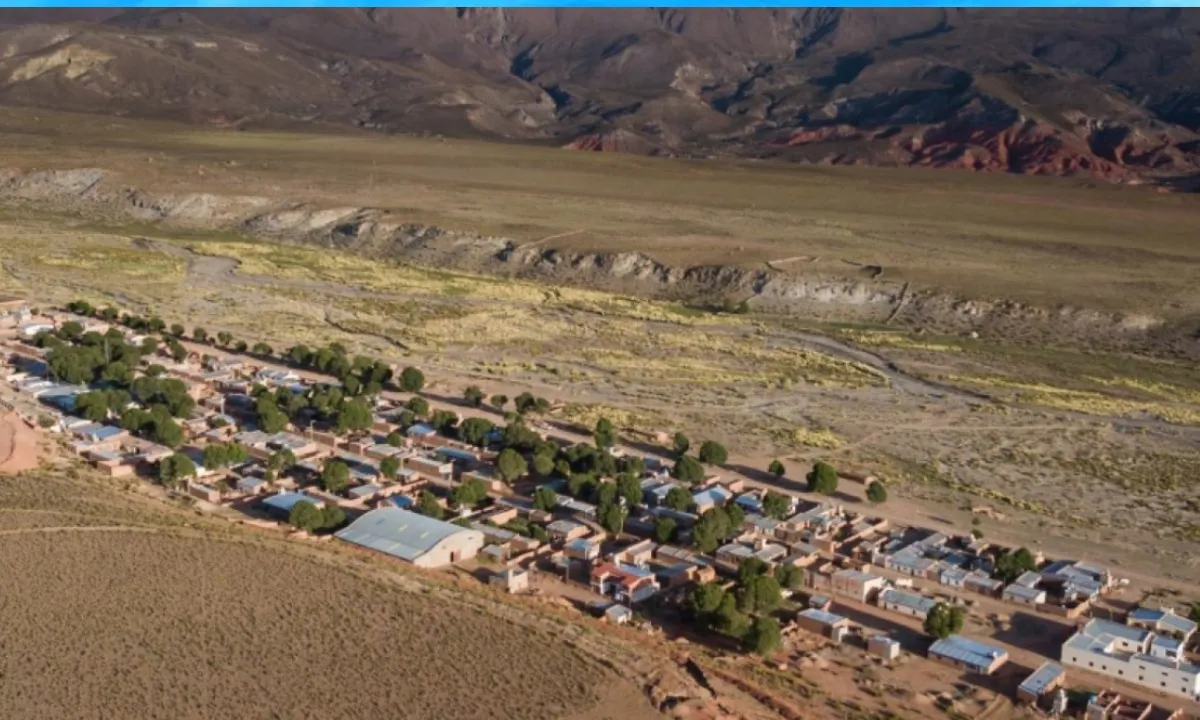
{"points": [[19, 445]]}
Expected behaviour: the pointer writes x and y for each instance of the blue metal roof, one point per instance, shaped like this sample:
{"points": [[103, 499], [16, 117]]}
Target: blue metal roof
{"points": [[420, 430], [967, 651], [402, 501], [821, 616], [1042, 678], [284, 502], [400, 533], [455, 454]]}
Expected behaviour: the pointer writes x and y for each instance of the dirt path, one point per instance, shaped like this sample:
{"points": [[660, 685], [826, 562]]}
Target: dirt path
{"points": [[81, 529], [19, 451]]}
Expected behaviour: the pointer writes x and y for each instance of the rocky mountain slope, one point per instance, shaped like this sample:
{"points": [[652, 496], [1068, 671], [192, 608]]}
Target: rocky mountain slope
{"points": [[1108, 93]]}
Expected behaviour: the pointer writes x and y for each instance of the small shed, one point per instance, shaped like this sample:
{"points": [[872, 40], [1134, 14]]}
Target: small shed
{"points": [[884, 647], [511, 580], [1046, 679]]}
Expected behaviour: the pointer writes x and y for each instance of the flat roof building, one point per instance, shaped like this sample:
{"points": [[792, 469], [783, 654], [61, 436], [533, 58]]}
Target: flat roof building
{"points": [[1045, 679], [414, 538]]}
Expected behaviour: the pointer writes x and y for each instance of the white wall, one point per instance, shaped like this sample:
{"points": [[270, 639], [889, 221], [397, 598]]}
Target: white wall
{"points": [[1138, 672]]}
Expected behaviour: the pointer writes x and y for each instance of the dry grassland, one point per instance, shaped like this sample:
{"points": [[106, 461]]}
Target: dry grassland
{"points": [[1120, 249], [121, 606]]}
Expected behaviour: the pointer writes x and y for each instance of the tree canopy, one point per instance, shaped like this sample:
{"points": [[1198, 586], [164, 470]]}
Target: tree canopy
{"points": [[511, 465], [428, 505], [687, 469], [713, 453], [335, 476], [412, 380], [678, 498], [604, 434], [473, 396], [174, 468], [680, 444], [876, 492], [776, 504], [1011, 564], [306, 516], [823, 479], [777, 469], [944, 620], [545, 498], [664, 530]]}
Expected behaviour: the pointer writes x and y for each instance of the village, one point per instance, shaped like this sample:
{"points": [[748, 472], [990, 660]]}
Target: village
{"points": [[350, 450]]}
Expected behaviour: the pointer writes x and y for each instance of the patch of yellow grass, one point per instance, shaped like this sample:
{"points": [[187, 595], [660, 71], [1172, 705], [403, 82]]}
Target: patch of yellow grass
{"points": [[898, 340], [587, 415], [127, 261], [1088, 403], [821, 438]]}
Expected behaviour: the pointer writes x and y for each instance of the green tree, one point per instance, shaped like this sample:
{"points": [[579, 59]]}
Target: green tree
{"points": [[443, 421], [713, 453], [759, 594], [678, 498], [687, 469], [469, 494], [789, 577], [510, 465], [823, 479], [178, 330], [174, 468], [729, 620], [354, 415], [474, 431], [418, 405], [776, 468], [776, 505], [473, 396], [281, 460], [215, 456], [389, 467], [92, 406], [224, 338], [604, 434], [498, 401], [630, 487], [240, 346], [664, 530], [703, 603], [681, 444], [332, 517], [750, 568], [1194, 612], [545, 498], [543, 465], [200, 335], [395, 439], [876, 492], [428, 505], [412, 380], [335, 476], [306, 516], [764, 636], [612, 517], [944, 620], [1010, 565], [262, 349]]}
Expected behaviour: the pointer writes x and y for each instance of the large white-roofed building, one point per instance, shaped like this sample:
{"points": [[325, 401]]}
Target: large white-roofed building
{"points": [[414, 538]]}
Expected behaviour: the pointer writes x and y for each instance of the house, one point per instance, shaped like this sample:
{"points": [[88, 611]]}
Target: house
{"points": [[563, 530], [684, 573], [906, 603], [709, 498], [281, 504], [1161, 621], [618, 614], [639, 553], [1108, 705], [1023, 595], [1134, 655], [420, 431], [1077, 580], [511, 580], [251, 485], [823, 623], [1046, 679], [862, 586], [970, 655], [582, 549], [624, 583], [420, 540], [884, 647], [430, 467], [208, 493], [979, 582]]}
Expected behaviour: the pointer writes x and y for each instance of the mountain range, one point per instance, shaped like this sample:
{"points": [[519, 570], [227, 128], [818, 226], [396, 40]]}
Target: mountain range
{"points": [[1108, 93]]}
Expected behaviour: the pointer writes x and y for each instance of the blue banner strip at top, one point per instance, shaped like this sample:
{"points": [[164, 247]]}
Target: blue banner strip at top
{"points": [[601, 3]]}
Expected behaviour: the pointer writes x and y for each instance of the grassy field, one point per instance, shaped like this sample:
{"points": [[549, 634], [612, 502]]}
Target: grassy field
{"points": [[1038, 240]]}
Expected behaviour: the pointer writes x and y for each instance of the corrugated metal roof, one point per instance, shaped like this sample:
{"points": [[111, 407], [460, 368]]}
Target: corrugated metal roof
{"points": [[967, 651], [400, 533], [821, 616], [1042, 678]]}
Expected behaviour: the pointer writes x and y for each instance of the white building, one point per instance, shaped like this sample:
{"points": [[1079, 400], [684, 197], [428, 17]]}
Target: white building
{"points": [[906, 603], [420, 540], [1134, 655]]}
